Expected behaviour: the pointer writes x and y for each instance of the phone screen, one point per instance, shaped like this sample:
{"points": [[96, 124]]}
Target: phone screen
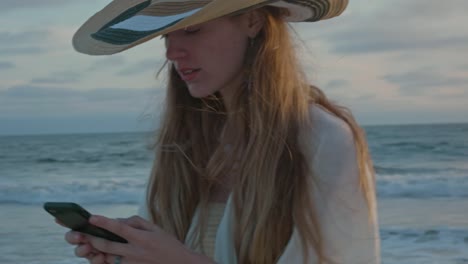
{"points": [[76, 218]]}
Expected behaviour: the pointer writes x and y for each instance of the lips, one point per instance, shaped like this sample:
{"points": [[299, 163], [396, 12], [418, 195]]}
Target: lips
{"points": [[188, 74]]}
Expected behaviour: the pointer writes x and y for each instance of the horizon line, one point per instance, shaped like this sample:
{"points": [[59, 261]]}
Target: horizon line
{"points": [[150, 131]]}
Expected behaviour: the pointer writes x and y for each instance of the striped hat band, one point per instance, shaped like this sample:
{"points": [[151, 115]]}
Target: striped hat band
{"points": [[126, 23]]}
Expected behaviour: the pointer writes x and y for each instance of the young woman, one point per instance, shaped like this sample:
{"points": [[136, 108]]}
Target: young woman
{"points": [[253, 165]]}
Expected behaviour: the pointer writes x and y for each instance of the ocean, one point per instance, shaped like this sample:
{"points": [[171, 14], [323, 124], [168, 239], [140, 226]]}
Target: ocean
{"points": [[422, 185]]}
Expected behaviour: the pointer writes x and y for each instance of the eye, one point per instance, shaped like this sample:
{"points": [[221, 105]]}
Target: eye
{"points": [[192, 29]]}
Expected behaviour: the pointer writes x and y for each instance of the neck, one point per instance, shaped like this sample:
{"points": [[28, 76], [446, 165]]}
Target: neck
{"points": [[229, 93]]}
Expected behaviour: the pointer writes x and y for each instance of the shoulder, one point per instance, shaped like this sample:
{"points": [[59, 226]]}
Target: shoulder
{"points": [[325, 135], [348, 221], [329, 149], [328, 125]]}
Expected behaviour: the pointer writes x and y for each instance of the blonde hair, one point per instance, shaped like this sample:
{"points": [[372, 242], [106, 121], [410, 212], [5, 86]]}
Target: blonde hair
{"points": [[271, 192]]}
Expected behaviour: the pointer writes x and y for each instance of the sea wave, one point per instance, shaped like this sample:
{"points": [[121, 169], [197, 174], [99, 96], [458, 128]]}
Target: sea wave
{"points": [[112, 191], [427, 186], [414, 145], [97, 157], [130, 190], [422, 246], [388, 170], [428, 235], [124, 191]]}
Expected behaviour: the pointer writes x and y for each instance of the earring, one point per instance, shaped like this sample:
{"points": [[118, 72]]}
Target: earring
{"points": [[250, 56], [251, 42], [248, 81]]}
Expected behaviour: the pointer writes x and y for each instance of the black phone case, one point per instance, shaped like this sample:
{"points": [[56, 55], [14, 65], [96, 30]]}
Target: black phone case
{"points": [[76, 218]]}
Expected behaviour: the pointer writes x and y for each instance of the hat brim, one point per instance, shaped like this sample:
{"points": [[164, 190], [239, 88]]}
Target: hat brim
{"points": [[126, 23]]}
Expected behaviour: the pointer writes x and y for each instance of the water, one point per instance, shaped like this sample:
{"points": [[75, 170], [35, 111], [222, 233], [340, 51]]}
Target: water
{"points": [[86, 168], [422, 183], [421, 161]]}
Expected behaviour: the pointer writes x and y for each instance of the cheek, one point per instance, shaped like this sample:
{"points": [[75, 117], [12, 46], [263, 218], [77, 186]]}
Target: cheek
{"points": [[227, 57]]}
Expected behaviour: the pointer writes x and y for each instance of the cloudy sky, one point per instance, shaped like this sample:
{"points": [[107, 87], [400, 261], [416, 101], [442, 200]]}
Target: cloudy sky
{"points": [[391, 62]]}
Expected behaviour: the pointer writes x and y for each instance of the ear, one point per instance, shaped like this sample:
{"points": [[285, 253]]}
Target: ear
{"points": [[254, 23]]}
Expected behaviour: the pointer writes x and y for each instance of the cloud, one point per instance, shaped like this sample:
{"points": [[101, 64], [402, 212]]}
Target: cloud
{"points": [[110, 94], [143, 66], [423, 81], [18, 38], [427, 8], [32, 42], [337, 83], [38, 92], [395, 26], [6, 65], [106, 62], [23, 43], [13, 51], [97, 95], [58, 78], [370, 42], [9, 5], [38, 102]]}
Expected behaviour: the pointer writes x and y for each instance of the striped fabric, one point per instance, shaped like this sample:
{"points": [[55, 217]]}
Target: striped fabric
{"points": [[215, 213], [137, 27], [173, 8], [126, 23]]}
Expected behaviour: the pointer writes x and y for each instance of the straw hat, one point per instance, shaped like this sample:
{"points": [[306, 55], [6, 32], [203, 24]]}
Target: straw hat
{"points": [[126, 23]]}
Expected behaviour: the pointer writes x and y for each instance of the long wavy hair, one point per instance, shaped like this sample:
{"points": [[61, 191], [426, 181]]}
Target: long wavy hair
{"points": [[271, 190]]}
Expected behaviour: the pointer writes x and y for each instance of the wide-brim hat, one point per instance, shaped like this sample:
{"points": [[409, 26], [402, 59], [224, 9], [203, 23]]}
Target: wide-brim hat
{"points": [[126, 23]]}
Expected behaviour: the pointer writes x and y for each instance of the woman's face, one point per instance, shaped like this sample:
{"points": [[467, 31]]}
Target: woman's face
{"points": [[209, 57]]}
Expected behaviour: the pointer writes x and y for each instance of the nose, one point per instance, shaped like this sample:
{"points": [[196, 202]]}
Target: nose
{"points": [[175, 48]]}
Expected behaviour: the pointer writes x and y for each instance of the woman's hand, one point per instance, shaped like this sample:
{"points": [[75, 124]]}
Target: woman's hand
{"points": [[147, 244], [83, 248]]}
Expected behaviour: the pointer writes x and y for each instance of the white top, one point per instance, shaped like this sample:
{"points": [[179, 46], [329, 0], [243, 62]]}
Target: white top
{"points": [[350, 236], [215, 214]]}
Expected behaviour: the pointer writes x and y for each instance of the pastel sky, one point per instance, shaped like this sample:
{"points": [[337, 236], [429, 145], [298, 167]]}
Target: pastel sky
{"points": [[390, 62]]}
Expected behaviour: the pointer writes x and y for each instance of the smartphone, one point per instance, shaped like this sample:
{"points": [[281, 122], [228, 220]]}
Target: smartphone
{"points": [[76, 218]]}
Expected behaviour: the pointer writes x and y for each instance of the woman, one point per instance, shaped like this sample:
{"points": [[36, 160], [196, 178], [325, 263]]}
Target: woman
{"points": [[253, 165]]}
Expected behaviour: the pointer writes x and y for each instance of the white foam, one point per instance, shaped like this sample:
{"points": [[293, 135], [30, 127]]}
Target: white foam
{"points": [[422, 186], [432, 246], [109, 191]]}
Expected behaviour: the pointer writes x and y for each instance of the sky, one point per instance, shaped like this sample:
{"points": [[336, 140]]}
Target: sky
{"points": [[390, 62]]}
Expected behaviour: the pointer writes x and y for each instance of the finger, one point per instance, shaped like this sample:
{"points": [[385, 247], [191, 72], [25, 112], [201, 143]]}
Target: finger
{"points": [[115, 259], [115, 226], [97, 259], [74, 238], [83, 251], [108, 247], [140, 223]]}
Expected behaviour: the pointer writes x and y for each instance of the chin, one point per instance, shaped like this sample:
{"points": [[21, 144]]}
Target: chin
{"points": [[198, 93]]}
